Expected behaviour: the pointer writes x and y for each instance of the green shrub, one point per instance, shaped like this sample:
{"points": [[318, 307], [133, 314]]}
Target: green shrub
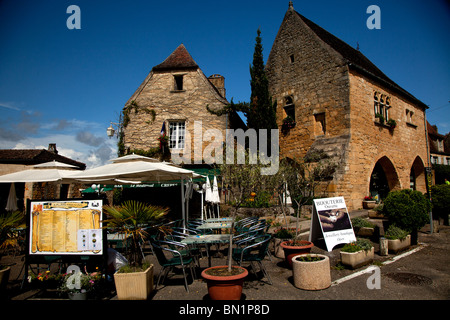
{"points": [[359, 222], [284, 234], [394, 232], [358, 245], [407, 209], [440, 195]]}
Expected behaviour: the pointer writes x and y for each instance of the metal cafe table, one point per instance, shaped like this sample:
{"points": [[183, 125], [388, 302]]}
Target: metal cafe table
{"points": [[207, 239]]}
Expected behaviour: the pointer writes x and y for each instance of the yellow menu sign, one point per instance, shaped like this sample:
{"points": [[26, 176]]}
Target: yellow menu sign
{"points": [[54, 225]]}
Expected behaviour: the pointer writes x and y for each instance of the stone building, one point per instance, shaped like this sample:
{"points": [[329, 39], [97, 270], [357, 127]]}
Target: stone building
{"points": [[176, 94], [344, 105], [439, 151], [14, 160]]}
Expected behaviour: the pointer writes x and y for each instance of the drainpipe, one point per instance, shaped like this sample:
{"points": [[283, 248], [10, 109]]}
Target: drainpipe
{"points": [[428, 171]]}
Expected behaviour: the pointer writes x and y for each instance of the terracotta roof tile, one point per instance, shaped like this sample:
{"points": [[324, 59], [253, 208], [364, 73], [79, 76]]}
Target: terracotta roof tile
{"points": [[179, 59]]}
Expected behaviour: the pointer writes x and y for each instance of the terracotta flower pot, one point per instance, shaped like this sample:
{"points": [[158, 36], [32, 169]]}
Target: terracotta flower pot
{"points": [[301, 247], [225, 287]]}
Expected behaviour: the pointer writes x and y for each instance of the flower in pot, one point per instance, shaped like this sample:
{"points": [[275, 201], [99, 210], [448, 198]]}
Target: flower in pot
{"points": [[132, 219], [295, 247], [357, 253], [311, 271], [363, 227], [8, 222], [369, 202], [77, 284], [398, 239]]}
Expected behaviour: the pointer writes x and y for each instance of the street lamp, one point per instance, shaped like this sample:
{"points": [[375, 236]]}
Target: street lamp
{"points": [[111, 131]]}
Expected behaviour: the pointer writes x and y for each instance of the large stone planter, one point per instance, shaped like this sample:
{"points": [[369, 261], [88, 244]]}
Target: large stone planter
{"points": [[369, 204], [311, 275], [134, 285], [357, 259], [364, 231], [397, 245], [224, 287]]}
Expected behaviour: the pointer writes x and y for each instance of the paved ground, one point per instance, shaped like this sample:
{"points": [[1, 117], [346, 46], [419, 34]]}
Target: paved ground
{"points": [[421, 273]]}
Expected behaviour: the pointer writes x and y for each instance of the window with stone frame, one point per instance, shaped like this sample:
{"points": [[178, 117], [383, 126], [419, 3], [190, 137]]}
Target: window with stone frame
{"points": [[381, 105], [178, 83], [319, 124], [289, 107], [177, 131]]}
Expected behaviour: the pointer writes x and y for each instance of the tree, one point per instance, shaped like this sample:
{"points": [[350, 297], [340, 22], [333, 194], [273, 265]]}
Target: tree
{"points": [[262, 112]]}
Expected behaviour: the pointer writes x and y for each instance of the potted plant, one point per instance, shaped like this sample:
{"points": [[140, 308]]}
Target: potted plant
{"points": [[369, 202], [398, 239], [8, 222], [362, 227], [391, 123], [78, 285], [311, 271], [407, 209], [132, 219], [226, 282], [288, 123], [280, 236], [357, 253]]}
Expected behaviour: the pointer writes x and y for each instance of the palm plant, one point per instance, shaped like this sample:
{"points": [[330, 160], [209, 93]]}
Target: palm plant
{"points": [[133, 219], [8, 222]]}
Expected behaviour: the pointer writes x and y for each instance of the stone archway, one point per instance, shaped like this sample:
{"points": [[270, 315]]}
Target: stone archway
{"points": [[383, 179], [417, 177]]}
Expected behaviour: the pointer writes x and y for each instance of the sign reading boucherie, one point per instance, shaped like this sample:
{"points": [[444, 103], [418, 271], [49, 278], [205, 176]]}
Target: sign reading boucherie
{"points": [[56, 227]]}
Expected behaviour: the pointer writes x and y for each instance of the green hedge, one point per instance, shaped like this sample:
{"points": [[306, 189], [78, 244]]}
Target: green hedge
{"points": [[407, 209], [440, 198]]}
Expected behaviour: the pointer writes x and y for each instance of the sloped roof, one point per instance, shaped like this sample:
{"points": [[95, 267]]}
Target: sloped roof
{"points": [[356, 60], [34, 156], [179, 59]]}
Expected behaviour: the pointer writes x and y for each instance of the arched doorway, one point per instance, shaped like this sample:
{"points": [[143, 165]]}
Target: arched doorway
{"points": [[383, 179], [417, 177]]}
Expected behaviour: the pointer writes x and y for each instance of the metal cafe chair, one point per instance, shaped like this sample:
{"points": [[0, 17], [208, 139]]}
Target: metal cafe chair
{"points": [[177, 259], [253, 250]]}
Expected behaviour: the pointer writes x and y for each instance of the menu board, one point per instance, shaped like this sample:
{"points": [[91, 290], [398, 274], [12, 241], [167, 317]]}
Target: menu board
{"points": [[66, 227]]}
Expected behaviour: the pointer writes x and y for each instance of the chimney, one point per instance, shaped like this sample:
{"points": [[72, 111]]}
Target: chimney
{"points": [[218, 81], [52, 148]]}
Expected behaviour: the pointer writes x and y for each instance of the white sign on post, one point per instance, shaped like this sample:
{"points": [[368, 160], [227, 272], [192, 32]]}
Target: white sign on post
{"points": [[331, 221]]}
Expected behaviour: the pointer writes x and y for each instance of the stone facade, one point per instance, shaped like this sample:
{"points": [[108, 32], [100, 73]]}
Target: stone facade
{"points": [[176, 91], [332, 90]]}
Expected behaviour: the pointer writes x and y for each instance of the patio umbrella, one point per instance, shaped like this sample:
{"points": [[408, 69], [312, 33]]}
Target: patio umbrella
{"points": [[11, 204], [215, 195], [132, 169], [44, 172]]}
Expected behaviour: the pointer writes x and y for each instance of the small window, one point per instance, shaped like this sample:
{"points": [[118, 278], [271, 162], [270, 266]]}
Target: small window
{"points": [[289, 107], [176, 134], [178, 83], [319, 125], [291, 58]]}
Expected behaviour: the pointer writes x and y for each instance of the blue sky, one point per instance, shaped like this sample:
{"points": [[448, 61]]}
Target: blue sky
{"points": [[65, 86]]}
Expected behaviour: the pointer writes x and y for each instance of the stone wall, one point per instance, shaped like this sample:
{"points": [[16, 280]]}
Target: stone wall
{"points": [[400, 149], [300, 66]]}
